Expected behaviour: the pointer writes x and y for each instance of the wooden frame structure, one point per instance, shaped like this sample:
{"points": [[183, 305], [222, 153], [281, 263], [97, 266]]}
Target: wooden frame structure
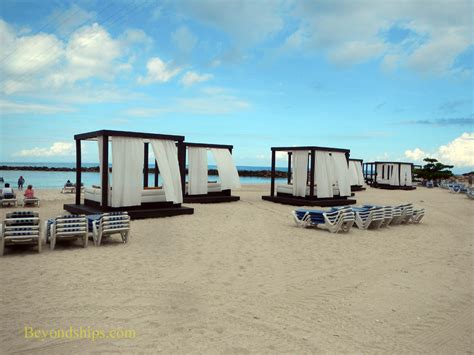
{"points": [[370, 175], [355, 188], [145, 210], [310, 200], [210, 197]]}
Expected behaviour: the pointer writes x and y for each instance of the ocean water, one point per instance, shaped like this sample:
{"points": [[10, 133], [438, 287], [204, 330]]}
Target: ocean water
{"points": [[57, 179]]}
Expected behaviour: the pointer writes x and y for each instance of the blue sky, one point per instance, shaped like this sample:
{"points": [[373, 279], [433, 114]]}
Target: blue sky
{"points": [[390, 80]]}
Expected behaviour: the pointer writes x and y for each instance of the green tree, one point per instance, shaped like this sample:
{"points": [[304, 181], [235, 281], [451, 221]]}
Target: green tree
{"points": [[434, 170]]}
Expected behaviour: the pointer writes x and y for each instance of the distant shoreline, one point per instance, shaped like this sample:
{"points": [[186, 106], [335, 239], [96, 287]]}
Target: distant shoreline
{"points": [[95, 169]]}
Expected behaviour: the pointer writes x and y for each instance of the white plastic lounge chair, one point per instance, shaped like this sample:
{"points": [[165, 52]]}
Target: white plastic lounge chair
{"points": [[406, 212], [389, 213], [68, 189], [470, 193], [369, 217], [20, 227], [417, 216], [338, 219], [8, 201], [31, 201], [111, 223], [67, 227]]}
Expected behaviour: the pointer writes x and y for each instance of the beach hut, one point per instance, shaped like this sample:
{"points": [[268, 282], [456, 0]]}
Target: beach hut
{"points": [[125, 187], [317, 176], [198, 189], [389, 175], [356, 174]]}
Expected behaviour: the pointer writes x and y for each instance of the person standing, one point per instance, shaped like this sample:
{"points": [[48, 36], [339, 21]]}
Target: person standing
{"points": [[21, 182]]}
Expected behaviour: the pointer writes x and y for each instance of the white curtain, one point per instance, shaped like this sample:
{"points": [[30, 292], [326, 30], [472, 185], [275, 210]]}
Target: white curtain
{"points": [[323, 174], [394, 178], [166, 155], [127, 171], [300, 172], [359, 172], [341, 173], [405, 175], [197, 164], [354, 179], [226, 168], [100, 143], [382, 178]]}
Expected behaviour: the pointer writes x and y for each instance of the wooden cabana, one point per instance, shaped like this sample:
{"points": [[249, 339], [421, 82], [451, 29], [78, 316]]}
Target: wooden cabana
{"points": [[317, 176], [389, 175], [198, 189], [129, 189], [356, 174]]}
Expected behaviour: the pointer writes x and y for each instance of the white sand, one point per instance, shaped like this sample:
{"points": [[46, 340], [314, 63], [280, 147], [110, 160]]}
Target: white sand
{"points": [[240, 277]]}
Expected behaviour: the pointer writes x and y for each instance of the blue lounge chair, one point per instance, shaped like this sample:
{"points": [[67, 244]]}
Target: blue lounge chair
{"points": [[369, 217], [337, 219], [20, 227], [111, 223], [67, 227]]}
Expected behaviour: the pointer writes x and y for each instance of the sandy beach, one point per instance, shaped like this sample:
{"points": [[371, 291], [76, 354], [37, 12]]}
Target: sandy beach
{"points": [[242, 278]]}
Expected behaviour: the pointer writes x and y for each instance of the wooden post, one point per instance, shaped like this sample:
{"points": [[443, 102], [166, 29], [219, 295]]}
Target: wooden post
{"points": [[105, 172], [311, 176], [78, 171], [289, 167], [272, 176], [156, 173], [145, 165], [182, 165]]}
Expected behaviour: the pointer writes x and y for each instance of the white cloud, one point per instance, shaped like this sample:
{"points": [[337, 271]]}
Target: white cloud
{"points": [[459, 152], [190, 78], [158, 71], [353, 31], [184, 40], [416, 154], [57, 149], [11, 107], [247, 22], [70, 19]]}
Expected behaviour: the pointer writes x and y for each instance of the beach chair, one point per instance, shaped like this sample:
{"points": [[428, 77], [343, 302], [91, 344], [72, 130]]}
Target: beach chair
{"points": [[417, 216], [337, 219], [20, 227], [111, 223], [31, 202], [406, 212], [68, 189], [389, 212], [67, 227], [9, 200], [369, 217], [470, 193]]}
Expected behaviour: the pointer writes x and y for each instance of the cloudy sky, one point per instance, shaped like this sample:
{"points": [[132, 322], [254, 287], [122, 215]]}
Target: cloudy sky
{"points": [[389, 80]]}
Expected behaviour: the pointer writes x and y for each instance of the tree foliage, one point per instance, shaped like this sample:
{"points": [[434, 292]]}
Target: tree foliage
{"points": [[434, 170]]}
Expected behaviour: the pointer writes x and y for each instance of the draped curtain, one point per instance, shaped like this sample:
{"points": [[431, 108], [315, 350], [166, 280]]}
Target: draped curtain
{"points": [[394, 178], [127, 172], [100, 143], [341, 173], [300, 172], [228, 174], [166, 155], [197, 164], [359, 172], [405, 175], [354, 178], [323, 174], [382, 178]]}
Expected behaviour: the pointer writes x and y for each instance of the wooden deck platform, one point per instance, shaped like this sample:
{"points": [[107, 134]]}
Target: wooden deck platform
{"points": [[391, 187], [209, 199], [300, 201], [134, 212], [356, 188]]}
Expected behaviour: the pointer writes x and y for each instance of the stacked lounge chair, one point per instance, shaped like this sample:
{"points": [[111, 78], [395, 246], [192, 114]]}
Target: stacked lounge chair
{"points": [[67, 227], [20, 227], [470, 193], [369, 217], [337, 219], [111, 223]]}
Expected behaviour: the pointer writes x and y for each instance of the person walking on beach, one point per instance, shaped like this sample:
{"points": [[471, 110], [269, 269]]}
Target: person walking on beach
{"points": [[21, 182]]}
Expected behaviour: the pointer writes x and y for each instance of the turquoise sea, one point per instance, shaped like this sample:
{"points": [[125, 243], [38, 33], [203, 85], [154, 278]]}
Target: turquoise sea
{"points": [[57, 179]]}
